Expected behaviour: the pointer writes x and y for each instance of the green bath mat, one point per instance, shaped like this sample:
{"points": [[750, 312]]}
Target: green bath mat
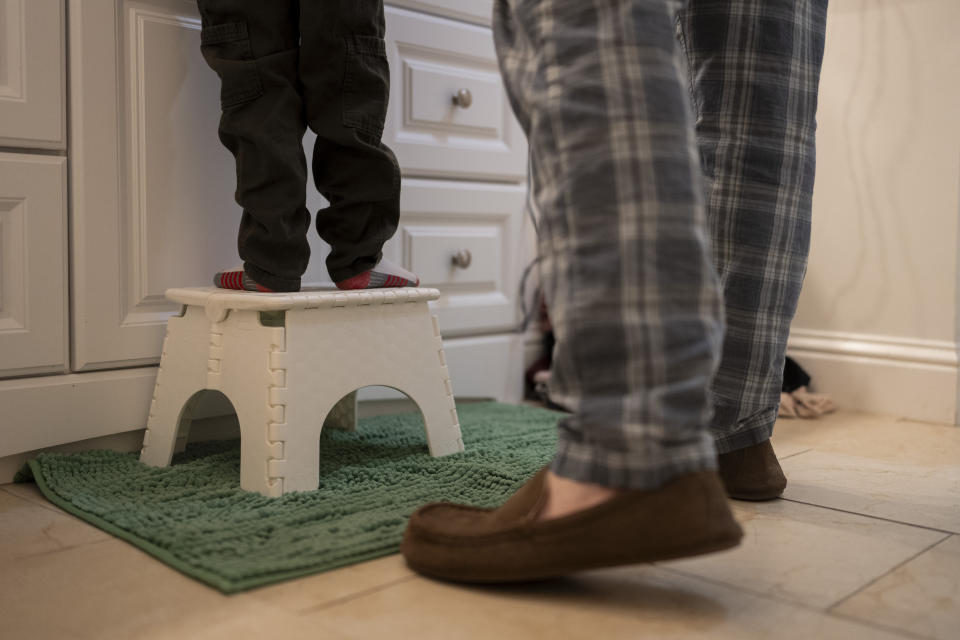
{"points": [[194, 517]]}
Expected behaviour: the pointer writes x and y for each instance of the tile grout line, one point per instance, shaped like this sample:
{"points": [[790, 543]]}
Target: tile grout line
{"points": [[764, 595], [881, 518], [353, 596], [876, 625], [50, 552], [44, 503], [796, 453], [891, 570]]}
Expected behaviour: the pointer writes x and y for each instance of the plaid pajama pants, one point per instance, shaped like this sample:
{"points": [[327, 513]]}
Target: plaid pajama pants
{"points": [[671, 173]]}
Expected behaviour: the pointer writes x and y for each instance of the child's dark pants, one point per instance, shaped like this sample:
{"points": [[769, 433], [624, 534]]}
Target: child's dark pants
{"points": [[285, 65]]}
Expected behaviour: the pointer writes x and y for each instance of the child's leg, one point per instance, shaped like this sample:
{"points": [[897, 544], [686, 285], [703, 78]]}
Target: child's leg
{"points": [[343, 70], [253, 47]]}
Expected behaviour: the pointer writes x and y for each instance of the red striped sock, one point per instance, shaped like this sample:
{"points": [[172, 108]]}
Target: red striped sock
{"points": [[384, 275], [238, 280]]}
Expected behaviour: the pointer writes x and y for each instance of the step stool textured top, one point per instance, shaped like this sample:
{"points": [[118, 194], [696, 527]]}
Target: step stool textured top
{"points": [[217, 301]]}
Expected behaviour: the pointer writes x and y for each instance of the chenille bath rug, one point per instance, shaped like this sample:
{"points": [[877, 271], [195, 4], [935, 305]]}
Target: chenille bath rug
{"points": [[194, 516]]}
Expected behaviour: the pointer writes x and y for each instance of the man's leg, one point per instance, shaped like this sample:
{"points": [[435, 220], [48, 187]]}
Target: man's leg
{"points": [[755, 69], [599, 88], [253, 47], [346, 83]]}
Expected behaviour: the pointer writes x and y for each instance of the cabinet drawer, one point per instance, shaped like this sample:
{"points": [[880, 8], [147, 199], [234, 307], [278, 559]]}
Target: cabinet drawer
{"points": [[452, 257], [480, 367], [479, 11], [441, 219], [432, 60], [32, 103], [33, 252]]}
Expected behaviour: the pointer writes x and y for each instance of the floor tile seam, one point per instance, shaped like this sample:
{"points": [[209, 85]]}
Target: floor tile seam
{"points": [[335, 602], [46, 504], [826, 612], [830, 451], [894, 460], [880, 626], [899, 421], [55, 509], [765, 595], [947, 532], [736, 588], [71, 547], [887, 573]]}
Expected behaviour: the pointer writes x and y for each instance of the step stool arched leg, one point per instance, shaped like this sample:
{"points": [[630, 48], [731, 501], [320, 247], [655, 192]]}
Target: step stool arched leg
{"points": [[182, 374], [258, 453], [298, 464], [167, 416], [440, 421], [431, 389]]}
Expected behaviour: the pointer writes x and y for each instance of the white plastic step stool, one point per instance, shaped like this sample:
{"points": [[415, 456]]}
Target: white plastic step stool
{"points": [[285, 360]]}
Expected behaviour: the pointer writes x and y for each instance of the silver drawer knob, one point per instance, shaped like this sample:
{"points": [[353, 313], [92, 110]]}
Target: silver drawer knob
{"points": [[463, 98], [462, 258]]}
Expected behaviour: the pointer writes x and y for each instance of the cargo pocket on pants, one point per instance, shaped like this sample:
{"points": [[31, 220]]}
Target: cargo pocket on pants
{"points": [[366, 87], [226, 48]]}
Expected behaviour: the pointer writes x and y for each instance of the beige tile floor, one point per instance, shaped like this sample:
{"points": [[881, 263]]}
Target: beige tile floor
{"points": [[866, 544]]}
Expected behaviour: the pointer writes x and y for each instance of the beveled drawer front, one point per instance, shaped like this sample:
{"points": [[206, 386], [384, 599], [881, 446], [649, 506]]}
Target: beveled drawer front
{"points": [[449, 115], [448, 257], [431, 89], [464, 239], [479, 11]]}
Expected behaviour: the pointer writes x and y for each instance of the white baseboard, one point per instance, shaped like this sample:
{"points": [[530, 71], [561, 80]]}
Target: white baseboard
{"points": [[128, 441], [43, 412], [904, 377]]}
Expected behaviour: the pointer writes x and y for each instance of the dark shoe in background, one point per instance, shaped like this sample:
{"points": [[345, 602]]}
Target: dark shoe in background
{"points": [[752, 473], [688, 516]]}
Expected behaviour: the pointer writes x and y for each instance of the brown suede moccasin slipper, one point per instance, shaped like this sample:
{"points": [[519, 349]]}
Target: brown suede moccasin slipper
{"points": [[687, 516], [752, 473]]}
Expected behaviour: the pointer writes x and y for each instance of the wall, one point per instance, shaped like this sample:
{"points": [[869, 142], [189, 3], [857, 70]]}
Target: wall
{"points": [[877, 319]]}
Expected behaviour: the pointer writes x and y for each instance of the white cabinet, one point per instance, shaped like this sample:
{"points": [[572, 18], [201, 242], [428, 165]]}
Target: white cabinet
{"points": [[32, 104], [151, 201], [33, 249], [153, 187]]}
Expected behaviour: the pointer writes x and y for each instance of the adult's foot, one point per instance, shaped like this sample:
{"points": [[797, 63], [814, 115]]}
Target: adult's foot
{"points": [[687, 516], [752, 473], [564, 496]]}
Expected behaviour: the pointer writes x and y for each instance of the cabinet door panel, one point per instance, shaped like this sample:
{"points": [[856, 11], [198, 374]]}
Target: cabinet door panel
{"points": [[31, 74], [153, 187], [150, 181], [33, 251]]}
